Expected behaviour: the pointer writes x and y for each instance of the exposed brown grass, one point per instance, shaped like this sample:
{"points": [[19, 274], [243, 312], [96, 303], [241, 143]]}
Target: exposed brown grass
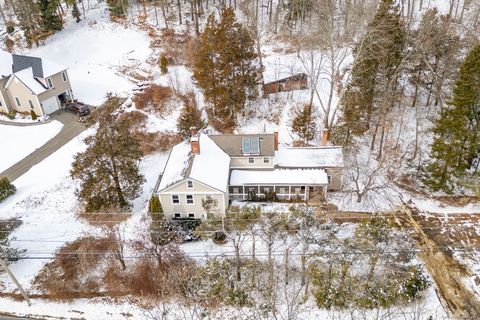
{"points": [[154, 99], [152, 142], [104, 218], [71, 271]]}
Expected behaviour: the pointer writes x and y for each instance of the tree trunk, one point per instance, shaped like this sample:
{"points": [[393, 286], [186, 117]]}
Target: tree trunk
{"points": [[179, 5], [162, 6]]}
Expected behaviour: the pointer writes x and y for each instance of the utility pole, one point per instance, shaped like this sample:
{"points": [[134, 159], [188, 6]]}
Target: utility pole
{"points": [[3, 264]]}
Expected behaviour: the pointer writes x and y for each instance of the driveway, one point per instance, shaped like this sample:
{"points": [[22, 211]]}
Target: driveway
{"points": [[71, 128]]}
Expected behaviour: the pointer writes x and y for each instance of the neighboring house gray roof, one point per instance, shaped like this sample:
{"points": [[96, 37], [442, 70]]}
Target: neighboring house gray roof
{"points": [[23, 62], [231, 144]]}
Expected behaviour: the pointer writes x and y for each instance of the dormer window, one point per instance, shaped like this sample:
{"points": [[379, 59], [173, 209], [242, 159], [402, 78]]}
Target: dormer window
{"points": [[250, 145], [50, 84]]}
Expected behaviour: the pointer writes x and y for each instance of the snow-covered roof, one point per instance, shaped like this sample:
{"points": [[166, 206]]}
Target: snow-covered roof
{"points": [[41, 68], [309, 157], [279, 176], [211, 166], [26, 77], [5, 64], [50, 68]]}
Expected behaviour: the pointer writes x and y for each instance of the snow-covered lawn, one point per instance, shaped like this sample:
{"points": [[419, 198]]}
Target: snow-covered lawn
{"points": [[93, 51], [19, 142], [48, 209]]}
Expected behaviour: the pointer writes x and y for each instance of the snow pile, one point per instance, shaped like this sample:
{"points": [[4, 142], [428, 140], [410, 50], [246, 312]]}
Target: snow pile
{"points": [[19, 142]]}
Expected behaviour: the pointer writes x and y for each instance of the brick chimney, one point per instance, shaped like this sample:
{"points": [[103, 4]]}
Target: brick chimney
{"points": [[195, 144], [324, 137], [275, 140]]}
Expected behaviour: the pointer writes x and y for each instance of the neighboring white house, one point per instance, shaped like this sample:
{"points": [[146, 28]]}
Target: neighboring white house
{"points": [[204, 173], [30, 83]]}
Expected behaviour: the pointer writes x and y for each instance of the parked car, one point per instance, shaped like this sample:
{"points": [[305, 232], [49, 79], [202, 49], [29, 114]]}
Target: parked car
{"points": [[79, 108]]}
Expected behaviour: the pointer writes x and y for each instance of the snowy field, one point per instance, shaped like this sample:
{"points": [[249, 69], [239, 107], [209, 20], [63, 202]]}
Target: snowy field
{"points": [[19, 142]]}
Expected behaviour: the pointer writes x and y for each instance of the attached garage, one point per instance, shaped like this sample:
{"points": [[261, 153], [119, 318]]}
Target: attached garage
{"points": [[50, 105]]}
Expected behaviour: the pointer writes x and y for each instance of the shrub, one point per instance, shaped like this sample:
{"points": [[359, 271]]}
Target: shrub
{"points": [[11, 115], [34, 115], [219, 237], [6, 188], [154, 98], [10, 27], [163, 64]]}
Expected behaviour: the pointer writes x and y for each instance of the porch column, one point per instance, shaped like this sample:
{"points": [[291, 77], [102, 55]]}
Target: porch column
{"points": [[305, 194], [243, 192], [289, 192]]}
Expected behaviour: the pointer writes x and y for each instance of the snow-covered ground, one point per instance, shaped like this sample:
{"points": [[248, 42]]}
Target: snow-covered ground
{"points": [[93, 51], [19, 142]]}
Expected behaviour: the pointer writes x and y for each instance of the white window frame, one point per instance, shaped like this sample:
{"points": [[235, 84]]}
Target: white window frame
{"points": [[191, 215], [266, 160], [50, 83], [18, 102], [177, 213], [64, 76], [178, 199], [252, 160], [189, 184], [186, 200]]}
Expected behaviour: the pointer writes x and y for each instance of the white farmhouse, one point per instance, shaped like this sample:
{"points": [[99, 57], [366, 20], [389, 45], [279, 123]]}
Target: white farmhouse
{"points": [[203, 174]]}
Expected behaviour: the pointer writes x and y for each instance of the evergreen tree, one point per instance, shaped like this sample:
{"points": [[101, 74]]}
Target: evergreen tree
{"points": [[163, 64], [108, 169], [6, 251], [226, 69], [50, 20], [154, 205], [304, 124], [456, 144], [374, 77], [6, 188], [191, 117]]}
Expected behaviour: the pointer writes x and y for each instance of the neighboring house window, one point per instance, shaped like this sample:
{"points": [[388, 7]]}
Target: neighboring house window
{"points": [[18, 102], [189, 184], [191, 215], [251, 160], [189, 198], [30, 103], [177, 215], [64, 77], [266, 160], [175, 199], [50, 84], [236, 190]]}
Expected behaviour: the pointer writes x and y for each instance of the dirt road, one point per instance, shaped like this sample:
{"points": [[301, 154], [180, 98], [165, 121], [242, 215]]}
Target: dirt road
{"points": [[447, 273]]}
